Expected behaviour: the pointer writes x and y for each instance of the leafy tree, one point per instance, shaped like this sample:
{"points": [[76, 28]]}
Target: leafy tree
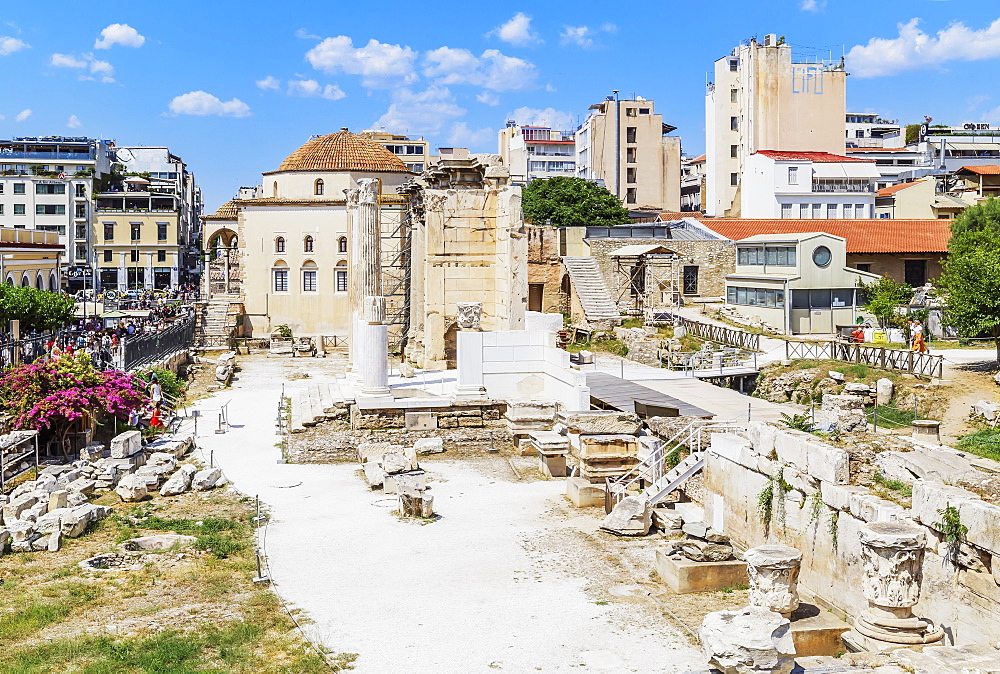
{"points": [[170, 383], [970, 283], [564, 202], [912, 133], [883, 297], [36, 309]]}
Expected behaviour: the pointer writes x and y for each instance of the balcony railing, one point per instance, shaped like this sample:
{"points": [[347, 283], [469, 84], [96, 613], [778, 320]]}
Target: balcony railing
{"points": [[842, 187], [52, 156]]}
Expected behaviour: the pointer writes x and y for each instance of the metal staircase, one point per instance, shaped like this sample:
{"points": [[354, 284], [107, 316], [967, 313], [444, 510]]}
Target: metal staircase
{"points": [[650, 471], [591, 289]]}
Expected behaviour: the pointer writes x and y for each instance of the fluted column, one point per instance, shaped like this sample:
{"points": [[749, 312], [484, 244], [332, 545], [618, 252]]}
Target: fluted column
{"points": [[365, 272], [373, 359]]}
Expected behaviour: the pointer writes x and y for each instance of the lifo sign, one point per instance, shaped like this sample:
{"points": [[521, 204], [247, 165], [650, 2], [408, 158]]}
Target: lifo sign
{"points": [[78, 272]]}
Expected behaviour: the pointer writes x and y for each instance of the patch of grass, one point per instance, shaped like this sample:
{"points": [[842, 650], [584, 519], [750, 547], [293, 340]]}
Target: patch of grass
{"points": [[985, 443], [601, 603], [632, 323], [895, 485], [891, 417]]}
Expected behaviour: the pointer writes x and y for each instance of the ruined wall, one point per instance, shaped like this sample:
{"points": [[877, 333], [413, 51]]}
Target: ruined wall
{"points": [[822, 514], [545, 268], [714, 260]]}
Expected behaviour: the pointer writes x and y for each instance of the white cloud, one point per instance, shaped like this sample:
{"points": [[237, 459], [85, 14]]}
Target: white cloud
{"points": [[812, 5], [549, 88], [66, 61], [2, 118], [492, 70], [119, 33], [423, 112], [23, 115], [550, 117], [270, 82], [304, 34], [609, 28], [9, 45], [914, 48], [104, 69], [488, 98], [74, 122], [203, 103], [517, 31], [581, 36], [313, 89], [380, 65], [461, 135]]}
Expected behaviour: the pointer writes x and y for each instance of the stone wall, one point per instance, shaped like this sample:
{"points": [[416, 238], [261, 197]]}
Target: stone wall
{"points": [[460, 415], [714, 260], [821, 515], [545, 267], [894, 266]]}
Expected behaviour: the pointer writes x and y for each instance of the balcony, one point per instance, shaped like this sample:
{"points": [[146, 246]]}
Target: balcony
{"points": [[833, 186], [8, 153]]}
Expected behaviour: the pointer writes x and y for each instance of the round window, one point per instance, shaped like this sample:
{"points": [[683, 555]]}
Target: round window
{"points": [[822, 256]]}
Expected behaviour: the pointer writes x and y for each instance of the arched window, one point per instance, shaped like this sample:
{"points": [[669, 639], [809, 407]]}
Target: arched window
{"points": [[275, 189], [342, 244], [319, 187], [340, 274], [52, 282], [279, 244], [25, 281], [40, 283], [307, 244], [309, 277], [279, 274]]}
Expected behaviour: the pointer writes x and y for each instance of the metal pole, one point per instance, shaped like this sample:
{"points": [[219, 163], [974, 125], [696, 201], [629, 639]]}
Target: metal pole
{"points": [[618, 147], [914, 406], [749, 407], [211, 458]]}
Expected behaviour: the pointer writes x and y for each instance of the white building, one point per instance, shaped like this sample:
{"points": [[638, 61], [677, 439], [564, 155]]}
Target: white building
{"points": [[532, 152], [692, 183], [46, 183], [816, 185], [870, 130]]}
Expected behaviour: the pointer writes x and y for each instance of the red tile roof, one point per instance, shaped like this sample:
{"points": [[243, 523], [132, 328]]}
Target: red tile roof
{"points": [[667, 216], [892, 189], [863, 236], [815, 157], [698, 159], [988, 170]]}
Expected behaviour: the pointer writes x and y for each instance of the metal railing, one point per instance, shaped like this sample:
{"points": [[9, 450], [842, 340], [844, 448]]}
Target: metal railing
{"points": [[141, 350], [24, 350], [714, 333], [910, 362], [697, 361], [842, 187]]}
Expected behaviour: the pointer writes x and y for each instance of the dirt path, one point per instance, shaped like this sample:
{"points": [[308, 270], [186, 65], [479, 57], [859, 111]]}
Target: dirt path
{"points": [[970, 383]]}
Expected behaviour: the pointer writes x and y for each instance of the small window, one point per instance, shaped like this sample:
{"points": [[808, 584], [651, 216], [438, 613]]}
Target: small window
{"points": [[309, 281], [108, 256], [733, 93], [109, 231], [342, 244], [279, 244], [630, 197], [134, 255], [18, 188], [81, 190], [274, 191], [831, 211], [18, 209], [734, 123], [161, 256], [733, 64], [136, 230], [630, 155], [734, 178], [822, 256], [734, 151], [161, 231], [307, 244], [1, 188], [318, 190], [793, 175], [341, 281], [786, 210], [630, 175], [50, 209], [280, 280], [817, 211], [804, 211], [630, 132], [864, 266]]}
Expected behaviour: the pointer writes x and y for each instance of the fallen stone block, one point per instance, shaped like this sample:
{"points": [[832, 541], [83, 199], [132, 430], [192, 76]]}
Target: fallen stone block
{"points": [[126, 444], [67, 477], [696, 529], [12, 511], [416, 503], [583, 494], [753, 639], [57, 499], [632, 516], [132, 489], [601, 423], [19, 531], [425, 446], [180, 481], [374, 474], [75, 499], [702, 551], [52, 521], [395, 463], [158, 542], [206, 479], [666, 520]]}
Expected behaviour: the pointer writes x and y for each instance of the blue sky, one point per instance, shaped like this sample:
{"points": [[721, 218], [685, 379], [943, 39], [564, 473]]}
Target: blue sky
{"points": [[233, 88]]}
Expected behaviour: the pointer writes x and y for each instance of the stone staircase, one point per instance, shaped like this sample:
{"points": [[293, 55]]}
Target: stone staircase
{"points": [[588, 282], [315, 404], [215, 326]]}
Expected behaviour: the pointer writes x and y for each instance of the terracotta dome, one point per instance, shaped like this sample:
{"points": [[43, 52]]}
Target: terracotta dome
{"points": [[342, 151]]}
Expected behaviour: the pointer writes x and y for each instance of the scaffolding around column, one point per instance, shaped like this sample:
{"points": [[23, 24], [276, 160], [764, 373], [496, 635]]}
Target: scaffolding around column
{"points": [[396, 235], [648, 279]]}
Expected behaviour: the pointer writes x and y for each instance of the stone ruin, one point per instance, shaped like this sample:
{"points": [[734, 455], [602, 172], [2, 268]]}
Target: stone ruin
{"points": [[395, 470]]}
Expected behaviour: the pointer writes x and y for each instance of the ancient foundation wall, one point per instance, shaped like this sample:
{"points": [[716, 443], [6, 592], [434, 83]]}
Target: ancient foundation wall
{"points": [[821, 515]]}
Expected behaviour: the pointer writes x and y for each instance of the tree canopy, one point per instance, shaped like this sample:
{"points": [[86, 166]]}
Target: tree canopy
{"points": [[36, 309], [883, 297], [970, 284], [565, 202]]}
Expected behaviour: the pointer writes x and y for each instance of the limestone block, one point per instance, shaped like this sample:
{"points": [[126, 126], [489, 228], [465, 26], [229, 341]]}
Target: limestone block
{"points": [[871, 508], [607, 446], [857, 389], [696, 529], [12, 511], [842, 402], [54, 541], [180, 481], [126, 444], [158, 542], [666, 520], [204, 480], [986, 409], [412, 480], [933, 464], [19, 531], [983, 520], [836, 376], [52, 520], [838, 497], [930, 496], [131, 489], [4, 540], [790, 447], [66, 477], [46, 483], [583, 494], [830, 464], [75, 521], [883, 391], [36, 511], [395, 463], [420, 421], [702, 551], [416, 504], [632, 516], [75, 499], [374, 474], [601, 422], [752, 639]]}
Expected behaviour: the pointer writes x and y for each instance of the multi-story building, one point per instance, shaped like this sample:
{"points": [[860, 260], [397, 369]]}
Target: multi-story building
{"points": [[951, 148], [414, 152], [761, 100], [532, 152], [147, 226], [30, 258], [692, 184], [893, 164], [808, 185], [47, 184], [870, 130], [625, 144]]}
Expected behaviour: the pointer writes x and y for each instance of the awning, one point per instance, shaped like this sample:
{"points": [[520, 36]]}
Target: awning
{"points": [[973, 146], [633, 251]]}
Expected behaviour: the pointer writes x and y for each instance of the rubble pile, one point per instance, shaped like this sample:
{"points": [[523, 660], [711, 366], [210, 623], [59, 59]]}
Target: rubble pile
{"points": [[394, 469]]}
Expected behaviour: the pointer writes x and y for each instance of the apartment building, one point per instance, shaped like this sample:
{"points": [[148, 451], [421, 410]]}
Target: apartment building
{"points": [[692, 183], [808, 185], [147, 221], [761, 99], [47, 184], [624, 143], [532, 152], [870, 130], [414, 152]]}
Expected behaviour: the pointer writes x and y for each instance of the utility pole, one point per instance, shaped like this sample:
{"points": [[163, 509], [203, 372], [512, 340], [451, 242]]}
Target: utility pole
{"points": [[618, 147]]}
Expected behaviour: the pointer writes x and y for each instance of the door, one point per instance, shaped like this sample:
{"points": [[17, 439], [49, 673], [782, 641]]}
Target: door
{"points": [[690, 280], [915, 272], [535, 293]]}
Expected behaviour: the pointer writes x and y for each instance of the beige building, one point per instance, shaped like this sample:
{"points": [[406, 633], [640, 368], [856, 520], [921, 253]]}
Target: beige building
{"points": [[532, 152], [624, 144], [761, 100], [414, 152], [30, 258], [137, 240]]}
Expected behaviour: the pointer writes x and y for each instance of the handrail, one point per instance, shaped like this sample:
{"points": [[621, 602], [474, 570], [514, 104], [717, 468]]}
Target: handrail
{"points": [[911, 362], [716, 333]]}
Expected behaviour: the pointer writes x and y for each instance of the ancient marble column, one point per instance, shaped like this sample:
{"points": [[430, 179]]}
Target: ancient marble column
{"points": [[774, 577], [892, 554], [365, 274], [373, 360]]}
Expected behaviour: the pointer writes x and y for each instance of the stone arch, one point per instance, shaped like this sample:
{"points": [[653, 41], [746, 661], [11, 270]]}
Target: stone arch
{"points": [[40, 282], [53, 284], [25, 281]]}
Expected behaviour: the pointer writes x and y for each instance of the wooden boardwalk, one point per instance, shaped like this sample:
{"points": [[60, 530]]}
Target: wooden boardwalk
{"points": [[607, 390]]}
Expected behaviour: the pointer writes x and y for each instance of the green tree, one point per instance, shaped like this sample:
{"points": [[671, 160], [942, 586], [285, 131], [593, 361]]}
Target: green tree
{"points": [[564, 202], [883, 298], [36, 309], [970, 284]]}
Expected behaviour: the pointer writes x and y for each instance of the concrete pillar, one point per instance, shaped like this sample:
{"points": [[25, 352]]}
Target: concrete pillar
{"points": [[373, 359], [123, 275], [365, 260]]}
